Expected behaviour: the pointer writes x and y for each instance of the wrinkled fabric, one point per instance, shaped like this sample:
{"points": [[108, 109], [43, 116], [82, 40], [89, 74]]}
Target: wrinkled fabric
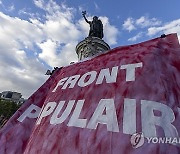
{"points": [[157, 80]]}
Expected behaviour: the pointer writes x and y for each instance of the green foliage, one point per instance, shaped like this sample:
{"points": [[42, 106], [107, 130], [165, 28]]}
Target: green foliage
{"points": [[7, 109]]}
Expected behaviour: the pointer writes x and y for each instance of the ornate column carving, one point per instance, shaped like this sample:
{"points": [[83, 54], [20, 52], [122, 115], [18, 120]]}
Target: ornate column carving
{"points": [[91, 46]]}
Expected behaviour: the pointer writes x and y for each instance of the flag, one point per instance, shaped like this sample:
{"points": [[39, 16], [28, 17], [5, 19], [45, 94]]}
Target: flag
{"points": [[122, 101]]}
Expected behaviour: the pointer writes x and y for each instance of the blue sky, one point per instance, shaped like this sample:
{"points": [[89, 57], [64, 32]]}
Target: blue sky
{"points": [[37, 35]]}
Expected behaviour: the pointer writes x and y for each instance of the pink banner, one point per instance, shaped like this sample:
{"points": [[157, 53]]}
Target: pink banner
{"points": [[124, 101]]}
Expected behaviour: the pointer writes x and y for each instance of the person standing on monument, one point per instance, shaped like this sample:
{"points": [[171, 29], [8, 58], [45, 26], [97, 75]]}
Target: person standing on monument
{"points": [[96, 26]]}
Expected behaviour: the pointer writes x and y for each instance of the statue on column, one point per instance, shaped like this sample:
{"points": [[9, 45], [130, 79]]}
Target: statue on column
{"points": [[96, 26]]}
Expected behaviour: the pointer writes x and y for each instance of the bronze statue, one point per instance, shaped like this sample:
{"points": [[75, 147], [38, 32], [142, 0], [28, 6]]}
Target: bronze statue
{"points": [[96, 26]]}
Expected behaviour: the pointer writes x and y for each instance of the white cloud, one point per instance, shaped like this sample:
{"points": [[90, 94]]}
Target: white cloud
{"points": [[129, 24], [28, 13], [61, 34], [19, 72], [61, 19], [81, 8], [110, 31], [39, 3], [25, 45], [96, 6], [142, 22], [170, 27], [11, 8], [51, 56], [83, 27], [19, 30], [145, 22], [139, 35], [48, 53]]}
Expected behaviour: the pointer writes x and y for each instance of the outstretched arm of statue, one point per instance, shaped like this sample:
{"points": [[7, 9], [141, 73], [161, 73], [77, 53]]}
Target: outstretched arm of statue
{"points": [[84, 15]]}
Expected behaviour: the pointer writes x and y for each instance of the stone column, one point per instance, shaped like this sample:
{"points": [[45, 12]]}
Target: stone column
{"points": [[91, 46]]}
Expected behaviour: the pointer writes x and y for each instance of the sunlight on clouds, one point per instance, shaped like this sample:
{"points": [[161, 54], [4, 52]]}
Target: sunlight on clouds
{"points": [[129, 24], [68, 55], [23, 75], [154, 26], [58, 22], [48, 53], [83, 27], [29, 47], [141, 24], [139, 35], [59, 29], [170, 27], [145, 22], [53, 58], [49, 38], [23, 28], [110, 31], [12, 40], [39, 3], [11, 8]]}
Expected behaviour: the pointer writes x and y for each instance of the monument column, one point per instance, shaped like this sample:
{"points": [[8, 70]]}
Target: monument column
{"points": [[93, 44]]}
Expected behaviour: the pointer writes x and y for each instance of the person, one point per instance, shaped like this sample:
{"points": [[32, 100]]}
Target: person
{"points": [[49, 72], [96, 26]]}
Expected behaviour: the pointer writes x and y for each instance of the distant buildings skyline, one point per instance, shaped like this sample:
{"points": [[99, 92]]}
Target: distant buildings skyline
{"points": [[12, 96]]}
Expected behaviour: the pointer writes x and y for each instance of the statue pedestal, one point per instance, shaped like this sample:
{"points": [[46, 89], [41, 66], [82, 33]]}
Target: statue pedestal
{"points": [[91, 46]]}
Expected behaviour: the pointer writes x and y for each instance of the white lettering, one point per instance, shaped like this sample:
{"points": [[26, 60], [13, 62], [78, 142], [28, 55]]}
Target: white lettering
{"points": [[130, 70], [162, 140], [174, 141], [110, 118], [149, 139], [105, 73], [129, 117], [154, 140], [47, 110], [168, 140], [149, 120], [74, 120], [71, 81], [54, 119], [61, 82], [92, 75], [29, 112], [178, 110]]}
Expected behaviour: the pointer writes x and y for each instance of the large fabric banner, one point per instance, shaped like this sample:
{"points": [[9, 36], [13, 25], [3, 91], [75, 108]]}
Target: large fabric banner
{"points": [[124, 101]]}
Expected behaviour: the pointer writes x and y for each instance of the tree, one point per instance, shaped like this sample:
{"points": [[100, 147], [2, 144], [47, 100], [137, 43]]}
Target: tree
{"points": [[7, 109]]}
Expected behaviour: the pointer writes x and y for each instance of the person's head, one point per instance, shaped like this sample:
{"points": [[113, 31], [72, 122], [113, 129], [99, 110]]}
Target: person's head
{"points": [[95, 18]]}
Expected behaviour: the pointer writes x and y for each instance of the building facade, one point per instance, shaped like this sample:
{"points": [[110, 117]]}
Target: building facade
{"points": [[12, 96]]}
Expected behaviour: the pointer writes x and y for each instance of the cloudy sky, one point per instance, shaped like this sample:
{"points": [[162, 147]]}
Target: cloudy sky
{"points": [[36, 35]]}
